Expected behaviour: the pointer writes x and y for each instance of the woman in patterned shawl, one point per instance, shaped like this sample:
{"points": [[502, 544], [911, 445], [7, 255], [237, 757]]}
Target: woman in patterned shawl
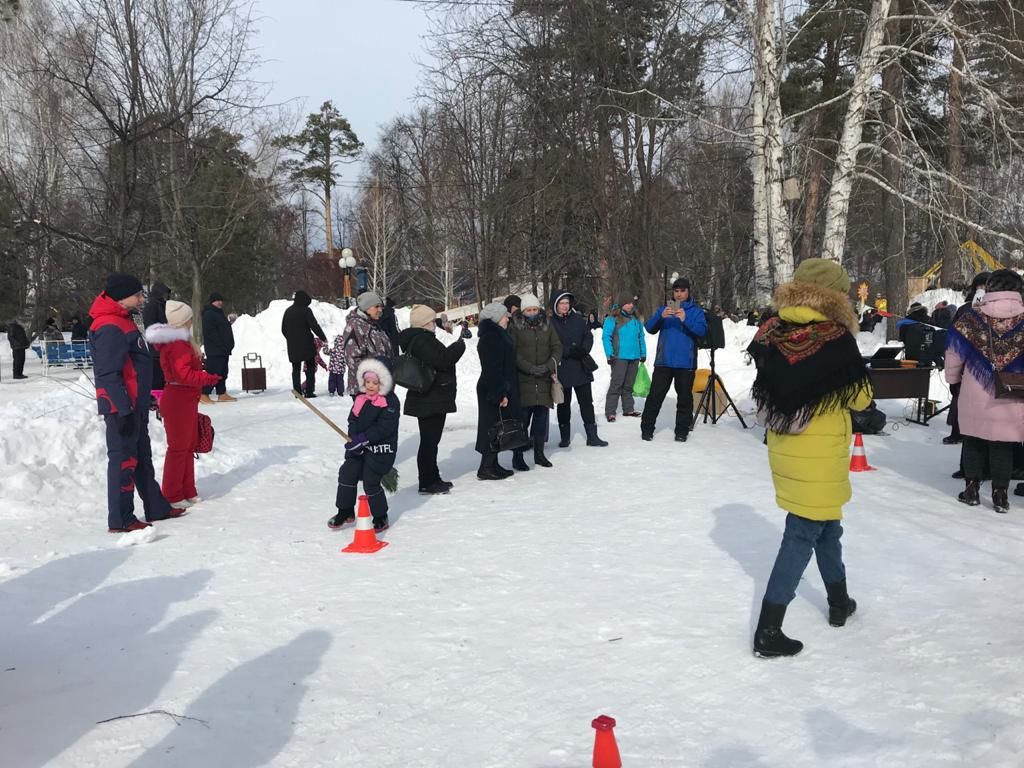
{"points": [[810, 374], [984, 340]]}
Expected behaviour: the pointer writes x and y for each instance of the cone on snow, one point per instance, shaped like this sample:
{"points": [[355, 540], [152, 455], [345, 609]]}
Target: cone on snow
{"points": [[365, 541], [606, 751], [859, 459]]}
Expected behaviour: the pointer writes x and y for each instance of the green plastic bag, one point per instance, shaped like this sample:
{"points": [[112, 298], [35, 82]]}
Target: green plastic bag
{"points": [[642, 385]]}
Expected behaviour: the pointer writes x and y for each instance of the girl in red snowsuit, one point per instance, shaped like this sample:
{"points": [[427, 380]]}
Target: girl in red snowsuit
{"points": [[179, 406]]}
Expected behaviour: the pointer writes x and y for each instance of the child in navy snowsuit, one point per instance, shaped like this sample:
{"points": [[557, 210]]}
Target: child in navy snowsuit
{"points": [[370, 454]]}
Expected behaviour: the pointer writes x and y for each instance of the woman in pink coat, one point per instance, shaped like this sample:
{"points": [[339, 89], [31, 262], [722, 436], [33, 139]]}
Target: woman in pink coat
{"points": [[987, 339]]}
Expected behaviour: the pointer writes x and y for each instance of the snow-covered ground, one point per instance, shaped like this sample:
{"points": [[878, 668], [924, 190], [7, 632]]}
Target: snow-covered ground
{"points": [[502, 617]]}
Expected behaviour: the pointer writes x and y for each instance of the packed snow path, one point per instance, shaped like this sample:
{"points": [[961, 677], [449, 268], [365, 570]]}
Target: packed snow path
{"points": [[504, 616]]}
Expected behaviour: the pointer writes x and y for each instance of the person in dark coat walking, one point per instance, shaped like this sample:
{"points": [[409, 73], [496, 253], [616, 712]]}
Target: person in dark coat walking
{"points": [[218, 342], [370, 453], [574, 375], [388, 322], [19, 342], [430, 408], [497, 390], [299, 326], [154, 311], [678, 326], [538, 352], [123, 369], [79, 331]]}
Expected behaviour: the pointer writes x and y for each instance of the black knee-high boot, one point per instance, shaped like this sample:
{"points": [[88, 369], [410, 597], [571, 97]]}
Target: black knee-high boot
{"points": [[538, 452]]}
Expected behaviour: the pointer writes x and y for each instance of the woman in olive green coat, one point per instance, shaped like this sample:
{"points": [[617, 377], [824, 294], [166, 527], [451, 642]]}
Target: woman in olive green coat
{"points": [[538, 350]]}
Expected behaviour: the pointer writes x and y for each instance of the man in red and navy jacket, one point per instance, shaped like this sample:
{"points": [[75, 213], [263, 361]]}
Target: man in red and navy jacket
{"points": [[124, 371]]}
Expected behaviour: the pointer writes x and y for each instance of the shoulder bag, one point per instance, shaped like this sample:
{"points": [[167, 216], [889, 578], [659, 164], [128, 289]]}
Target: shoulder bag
{"points": [[412, 373]]}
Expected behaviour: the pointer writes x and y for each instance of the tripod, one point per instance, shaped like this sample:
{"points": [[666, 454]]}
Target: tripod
{"points": [[709, 401]]}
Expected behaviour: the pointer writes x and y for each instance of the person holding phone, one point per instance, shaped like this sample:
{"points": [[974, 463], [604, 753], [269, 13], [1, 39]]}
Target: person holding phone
{"points": [[678, 324]]}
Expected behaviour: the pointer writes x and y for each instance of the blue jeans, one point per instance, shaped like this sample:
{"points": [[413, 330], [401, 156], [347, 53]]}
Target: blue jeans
{"points": [[803, 536]]}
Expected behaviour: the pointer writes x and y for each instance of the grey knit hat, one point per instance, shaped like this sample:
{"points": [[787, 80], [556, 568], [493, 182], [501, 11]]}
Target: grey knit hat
{"points": [[368, 300], [493, 312]]}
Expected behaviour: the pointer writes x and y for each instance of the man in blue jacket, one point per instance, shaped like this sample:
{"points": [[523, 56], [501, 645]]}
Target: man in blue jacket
{"points": [[123, 370], [678, 325]]}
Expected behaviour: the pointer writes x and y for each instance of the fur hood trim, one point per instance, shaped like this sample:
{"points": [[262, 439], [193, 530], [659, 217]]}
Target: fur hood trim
{"points": [[832, 304], [160, 333], [387, 382]]}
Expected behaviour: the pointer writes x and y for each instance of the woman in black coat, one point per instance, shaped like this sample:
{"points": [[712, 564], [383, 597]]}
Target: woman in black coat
{"points": [[298, 327], [497, 391], [431, 407], [577, 341]]}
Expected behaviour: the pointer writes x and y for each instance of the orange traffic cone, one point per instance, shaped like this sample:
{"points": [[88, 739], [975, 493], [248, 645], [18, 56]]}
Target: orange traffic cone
{"points": [[606, 751], [365, 541], [859, 459]]}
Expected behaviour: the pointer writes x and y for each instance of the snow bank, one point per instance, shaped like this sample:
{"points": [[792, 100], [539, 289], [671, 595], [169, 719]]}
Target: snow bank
{"points": [[934, 296], [261, 334]]}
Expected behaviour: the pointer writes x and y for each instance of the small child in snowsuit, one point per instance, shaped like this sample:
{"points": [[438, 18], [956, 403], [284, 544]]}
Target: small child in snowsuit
{"points": [[370, 454], [336, 368]]}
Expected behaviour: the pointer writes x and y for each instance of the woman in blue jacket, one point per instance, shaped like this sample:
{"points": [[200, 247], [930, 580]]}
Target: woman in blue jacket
{"points": [[625, 348], [678, 326]]}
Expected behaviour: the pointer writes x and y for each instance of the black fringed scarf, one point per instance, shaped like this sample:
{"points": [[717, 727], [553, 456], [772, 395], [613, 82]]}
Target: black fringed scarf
{"points": [[804, 370]]}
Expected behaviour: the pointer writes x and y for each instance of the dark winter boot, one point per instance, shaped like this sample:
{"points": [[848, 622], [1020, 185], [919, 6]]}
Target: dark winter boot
{"points": [[592, 438], [489, 468], [970, 495], [566, 435], [343, 517], [518, 464], [1001, 500], [538, 452], [840, 606], [769, 642]]}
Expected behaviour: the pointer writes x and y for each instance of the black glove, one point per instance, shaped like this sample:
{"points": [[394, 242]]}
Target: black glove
{"points": [[573, 353], [126, 424], [643, 359], [539, 370], [611, 361], [955, 389]]}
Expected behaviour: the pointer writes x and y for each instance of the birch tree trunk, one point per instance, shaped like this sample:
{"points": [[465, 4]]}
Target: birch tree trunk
{"points": [[763, 37], [837, 213], [951, 271], [894, 216]]}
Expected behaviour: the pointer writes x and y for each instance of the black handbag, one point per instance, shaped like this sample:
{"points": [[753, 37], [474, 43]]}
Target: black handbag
{"points": [[508, 435], [588, 362], [412, 373]]}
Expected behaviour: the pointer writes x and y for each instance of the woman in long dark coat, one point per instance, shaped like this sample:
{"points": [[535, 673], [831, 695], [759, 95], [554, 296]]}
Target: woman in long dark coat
{"points": [[431, 408], [577, 341], [497, 390]]}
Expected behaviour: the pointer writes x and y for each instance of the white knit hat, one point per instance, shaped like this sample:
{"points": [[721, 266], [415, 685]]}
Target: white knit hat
{"points": [[179, 314], [529, 301]]}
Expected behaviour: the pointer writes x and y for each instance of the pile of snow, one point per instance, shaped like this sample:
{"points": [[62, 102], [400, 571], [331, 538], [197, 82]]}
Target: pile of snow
{"points": [[934, 296], [261, 335]]}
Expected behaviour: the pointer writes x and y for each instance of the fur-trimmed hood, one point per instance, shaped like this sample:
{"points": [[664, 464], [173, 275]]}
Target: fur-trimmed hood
{"points": [[161, 333], [387, 382], [832, 304]]}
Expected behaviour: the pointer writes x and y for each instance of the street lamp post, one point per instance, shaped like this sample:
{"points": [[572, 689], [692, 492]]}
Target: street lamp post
{"points": [[347, 262]]}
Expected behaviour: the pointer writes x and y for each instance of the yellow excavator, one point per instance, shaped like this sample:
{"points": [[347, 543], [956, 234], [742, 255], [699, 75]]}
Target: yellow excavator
{"points": [[971, 255]]}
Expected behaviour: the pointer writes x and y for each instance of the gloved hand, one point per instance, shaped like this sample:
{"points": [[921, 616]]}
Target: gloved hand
{"points": [[643, 359], [954, 389], [539, 370], [126, 423], [357, 445], [574, 352], [611, 361]]}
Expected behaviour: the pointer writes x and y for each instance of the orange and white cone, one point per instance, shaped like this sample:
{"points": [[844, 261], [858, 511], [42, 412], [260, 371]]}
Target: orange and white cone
{"points": [[365, 541], [859, 459]]}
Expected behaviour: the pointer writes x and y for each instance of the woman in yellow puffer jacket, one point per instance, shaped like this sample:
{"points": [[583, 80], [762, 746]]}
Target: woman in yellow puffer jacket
{"points": [[810, 375]]}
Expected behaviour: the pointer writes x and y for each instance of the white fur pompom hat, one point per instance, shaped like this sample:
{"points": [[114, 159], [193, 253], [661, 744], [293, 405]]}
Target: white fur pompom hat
{"points": [[373, 365]]}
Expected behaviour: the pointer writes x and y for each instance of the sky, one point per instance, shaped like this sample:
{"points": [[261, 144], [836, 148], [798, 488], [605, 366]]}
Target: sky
{"points": [[360, 54]]}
